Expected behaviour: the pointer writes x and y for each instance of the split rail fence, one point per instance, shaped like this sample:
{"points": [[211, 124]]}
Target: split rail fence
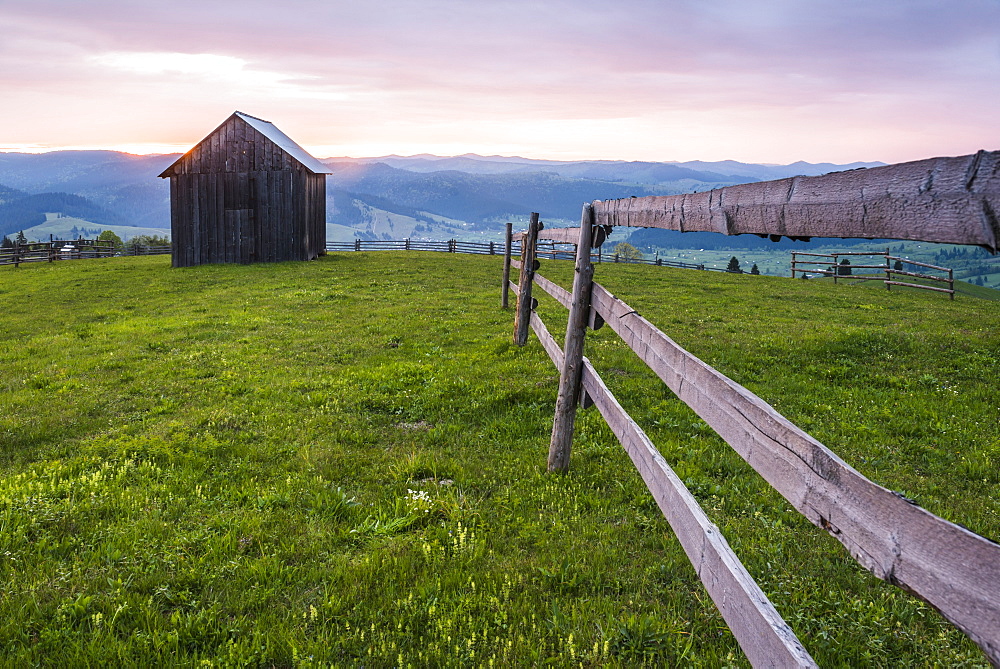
{"points": [[827, 264], [74, 249], [953, 569], [53, 250]]}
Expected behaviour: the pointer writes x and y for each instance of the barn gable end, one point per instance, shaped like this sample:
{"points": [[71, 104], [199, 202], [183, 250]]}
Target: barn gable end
{"points": [[246, 193]]}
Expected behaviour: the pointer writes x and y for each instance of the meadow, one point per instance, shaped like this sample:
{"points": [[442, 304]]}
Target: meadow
{"points": [[342, 462]]}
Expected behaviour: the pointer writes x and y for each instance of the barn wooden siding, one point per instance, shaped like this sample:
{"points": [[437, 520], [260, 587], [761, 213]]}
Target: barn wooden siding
{"points": [[237, 197]]}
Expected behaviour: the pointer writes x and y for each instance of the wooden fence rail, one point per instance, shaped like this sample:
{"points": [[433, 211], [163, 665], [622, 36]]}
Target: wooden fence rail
{"points": [[951, 568], [55, 249], [550, 252], [72, 249], [827, 265], [449, 246]]}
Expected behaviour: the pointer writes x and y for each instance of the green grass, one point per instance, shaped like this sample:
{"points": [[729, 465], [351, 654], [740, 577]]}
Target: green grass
{"points": [[342, 462]]}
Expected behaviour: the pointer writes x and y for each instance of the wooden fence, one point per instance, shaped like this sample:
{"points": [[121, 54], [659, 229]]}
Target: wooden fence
{"points": [[827, 264], [73, 249], [449, 246], [149, 251], [52, 250], [545, 249], [956, 571]]}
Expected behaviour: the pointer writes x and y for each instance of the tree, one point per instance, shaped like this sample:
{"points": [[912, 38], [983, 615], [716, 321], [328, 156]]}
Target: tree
{"points": [[6, 243], [754, 269], [627, 252], [110, 236], [898, 265], [20, 240], [845, 267], [979, 281], [734, 266]]}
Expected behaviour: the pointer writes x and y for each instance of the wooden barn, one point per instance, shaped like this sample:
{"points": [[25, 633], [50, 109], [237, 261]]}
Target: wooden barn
{"points": [[246, 193]]}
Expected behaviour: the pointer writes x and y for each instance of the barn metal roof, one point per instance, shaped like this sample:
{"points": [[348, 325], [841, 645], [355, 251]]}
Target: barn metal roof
{"points": [[286, 143], [268, 129]]}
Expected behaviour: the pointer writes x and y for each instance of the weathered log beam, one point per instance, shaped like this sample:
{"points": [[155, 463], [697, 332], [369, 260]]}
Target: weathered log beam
{"points": [[946, 200], [566, 235]]}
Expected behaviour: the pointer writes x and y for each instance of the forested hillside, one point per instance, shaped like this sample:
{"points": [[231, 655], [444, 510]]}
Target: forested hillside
{"points": [[29, 210]]}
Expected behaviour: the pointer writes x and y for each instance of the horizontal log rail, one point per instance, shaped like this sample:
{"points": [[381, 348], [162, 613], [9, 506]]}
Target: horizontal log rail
{"points": [[564, 235], [945, 200], [950, 291]]}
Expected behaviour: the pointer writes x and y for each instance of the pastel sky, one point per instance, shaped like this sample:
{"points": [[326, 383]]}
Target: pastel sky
{"points": [[758, 81]]}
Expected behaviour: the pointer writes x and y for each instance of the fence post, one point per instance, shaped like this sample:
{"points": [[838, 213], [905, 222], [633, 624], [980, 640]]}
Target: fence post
{"points": [[888, 271], [951, 283], [506, 267], [522, 315], [491, 249], [407, 244], [571, 374], [357, 244]]}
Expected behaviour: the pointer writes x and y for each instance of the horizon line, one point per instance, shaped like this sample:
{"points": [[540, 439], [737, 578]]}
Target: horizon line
{"points": [[137, 151]]}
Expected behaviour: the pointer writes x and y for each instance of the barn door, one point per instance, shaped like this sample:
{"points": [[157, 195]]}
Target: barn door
{"points": [[239, 239]]}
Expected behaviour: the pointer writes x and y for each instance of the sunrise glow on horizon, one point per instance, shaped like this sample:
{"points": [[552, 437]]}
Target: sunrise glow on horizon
{"points": [[771, 82]]}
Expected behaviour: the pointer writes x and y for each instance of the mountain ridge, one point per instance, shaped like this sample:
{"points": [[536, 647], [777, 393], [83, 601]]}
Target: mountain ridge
{"points": [[469, 191]]}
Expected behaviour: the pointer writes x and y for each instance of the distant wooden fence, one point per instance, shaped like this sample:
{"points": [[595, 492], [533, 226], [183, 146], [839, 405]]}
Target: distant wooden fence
{"points": [[956, 571], [50, 251], [827, 264], [552, 250], [72, 249], [448, 246]]}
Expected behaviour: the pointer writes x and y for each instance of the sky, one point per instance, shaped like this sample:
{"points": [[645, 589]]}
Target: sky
{"points": [[769, 81]]}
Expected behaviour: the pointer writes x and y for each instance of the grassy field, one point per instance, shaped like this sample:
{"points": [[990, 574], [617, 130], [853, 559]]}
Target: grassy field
{"points": [[342, 462]]}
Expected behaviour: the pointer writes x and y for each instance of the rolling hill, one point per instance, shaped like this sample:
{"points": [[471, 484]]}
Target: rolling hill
{"points": [[434, 197]]}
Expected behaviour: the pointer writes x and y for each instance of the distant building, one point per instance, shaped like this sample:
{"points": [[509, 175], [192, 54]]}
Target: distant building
{"points": [[246, 193]]}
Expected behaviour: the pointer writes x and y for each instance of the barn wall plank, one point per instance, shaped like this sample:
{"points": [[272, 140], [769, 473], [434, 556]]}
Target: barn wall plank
{"points": [[175, 251]]}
